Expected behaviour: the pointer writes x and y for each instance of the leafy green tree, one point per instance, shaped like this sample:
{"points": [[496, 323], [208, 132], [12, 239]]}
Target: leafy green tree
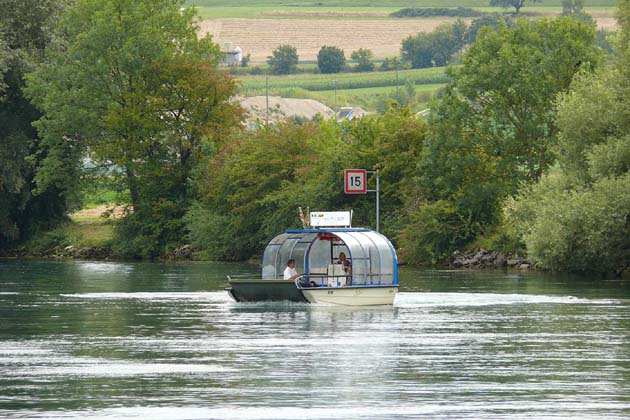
{"points": [[330, 59], [390, 63], [435, 48], [494, 128], [251, 190], [572, 7], [135, 89], [578, 219], [390, 143], [516, 4], [26, 28], [492, 20], [283, 60], [363, 57]]}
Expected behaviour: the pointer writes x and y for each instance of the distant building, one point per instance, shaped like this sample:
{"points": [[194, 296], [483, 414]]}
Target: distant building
{"points": [[348, 113], [233, 55]]}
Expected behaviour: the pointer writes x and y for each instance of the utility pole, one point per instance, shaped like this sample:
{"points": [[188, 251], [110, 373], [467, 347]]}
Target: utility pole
{"points": [[267, 101], [335, 83], [396, 63]]}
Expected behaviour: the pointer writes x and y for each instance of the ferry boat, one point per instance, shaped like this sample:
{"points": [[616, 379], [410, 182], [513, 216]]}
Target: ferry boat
{"points": [[336, 264]]}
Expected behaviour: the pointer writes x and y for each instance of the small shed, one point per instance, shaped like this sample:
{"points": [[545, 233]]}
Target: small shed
{"points": [[233, 55]]}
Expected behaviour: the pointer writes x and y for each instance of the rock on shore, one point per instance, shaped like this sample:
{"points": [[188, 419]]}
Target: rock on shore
{"points": [[482, 258]]}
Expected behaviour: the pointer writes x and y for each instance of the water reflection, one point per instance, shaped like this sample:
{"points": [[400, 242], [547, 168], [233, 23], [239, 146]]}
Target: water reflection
{"points": [[160, 341]]}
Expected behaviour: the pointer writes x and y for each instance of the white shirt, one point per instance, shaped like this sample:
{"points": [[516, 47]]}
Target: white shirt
{"points": [[289, 272]]}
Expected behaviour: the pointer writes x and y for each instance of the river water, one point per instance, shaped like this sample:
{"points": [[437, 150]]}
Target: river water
{"points": [[104, 340]]}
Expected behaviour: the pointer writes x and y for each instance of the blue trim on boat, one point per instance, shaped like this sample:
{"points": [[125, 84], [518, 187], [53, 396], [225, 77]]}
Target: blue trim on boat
{"points": [[328, 230]]}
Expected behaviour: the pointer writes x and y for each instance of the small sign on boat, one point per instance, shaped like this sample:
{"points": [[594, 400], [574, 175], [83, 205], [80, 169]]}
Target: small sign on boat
{"points": [[331, 218], [355, 181]]}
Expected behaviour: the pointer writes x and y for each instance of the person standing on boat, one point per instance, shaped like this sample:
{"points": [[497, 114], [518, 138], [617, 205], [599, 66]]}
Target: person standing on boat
{"points": [[347, 265], [290, 273]]}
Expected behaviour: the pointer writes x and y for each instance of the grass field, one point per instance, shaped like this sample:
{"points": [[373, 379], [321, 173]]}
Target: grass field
{"points": [[255, 85], [352, 89]]}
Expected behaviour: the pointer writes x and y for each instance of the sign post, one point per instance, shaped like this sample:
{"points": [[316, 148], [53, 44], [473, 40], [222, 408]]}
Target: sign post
{"points": [[355, 182]]}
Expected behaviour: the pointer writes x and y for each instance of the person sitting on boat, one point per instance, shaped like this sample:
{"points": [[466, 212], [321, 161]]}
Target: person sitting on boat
{"points": [[290, 273], [347, 265]]}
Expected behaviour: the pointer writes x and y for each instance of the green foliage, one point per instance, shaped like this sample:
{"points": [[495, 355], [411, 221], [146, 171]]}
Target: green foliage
{"points": [[433, 231], [509, 80], [316, 82], [580, 220], [592, 112], [254, 186], [136, 87], [283, 60], [436, 48], [390, 64], [330, 59], [576, 229], [363, 57], [493, 128], [572, 7], [493, 21], [25, 30], [151, 230], [436, 11], [516, 4]]}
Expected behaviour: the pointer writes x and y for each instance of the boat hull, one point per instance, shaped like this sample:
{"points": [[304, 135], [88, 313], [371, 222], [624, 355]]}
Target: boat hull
{"points": [[257, 290], [352, 295]]}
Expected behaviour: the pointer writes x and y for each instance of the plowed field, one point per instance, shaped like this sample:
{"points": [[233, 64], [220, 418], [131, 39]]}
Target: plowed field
{"points": [[259, 37]]}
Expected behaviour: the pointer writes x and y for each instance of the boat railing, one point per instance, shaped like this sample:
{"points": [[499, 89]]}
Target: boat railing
{"points": [[309, 281], [244, 276]]}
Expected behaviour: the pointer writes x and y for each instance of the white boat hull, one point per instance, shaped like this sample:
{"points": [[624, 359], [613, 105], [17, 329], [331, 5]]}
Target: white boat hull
{"points": [[352, 296]]}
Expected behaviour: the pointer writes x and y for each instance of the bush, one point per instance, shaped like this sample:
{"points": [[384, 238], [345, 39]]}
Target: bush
{"points": [[436, 11], [363, 57], [433, 232], [153, 229], [575, 229]]}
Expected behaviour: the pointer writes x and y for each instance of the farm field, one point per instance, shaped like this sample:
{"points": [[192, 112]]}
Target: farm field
{"points": [[260, 26], [352, 89], [308, 29], [256, 85], [259, 37], [371, 3], [371, 99]]}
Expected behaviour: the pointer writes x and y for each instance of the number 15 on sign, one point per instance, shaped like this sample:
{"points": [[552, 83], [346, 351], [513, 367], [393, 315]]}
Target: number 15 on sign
{"points": [[355, 181]]}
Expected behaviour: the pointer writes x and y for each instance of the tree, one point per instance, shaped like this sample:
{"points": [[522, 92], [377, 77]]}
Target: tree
{"points": [[363, 57], [579, 219], [435, 48], [330, 60], [572, 7], [283, 60], [494, 128], [138, 92], [26, 28], [251, 189], [517, 4]]}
